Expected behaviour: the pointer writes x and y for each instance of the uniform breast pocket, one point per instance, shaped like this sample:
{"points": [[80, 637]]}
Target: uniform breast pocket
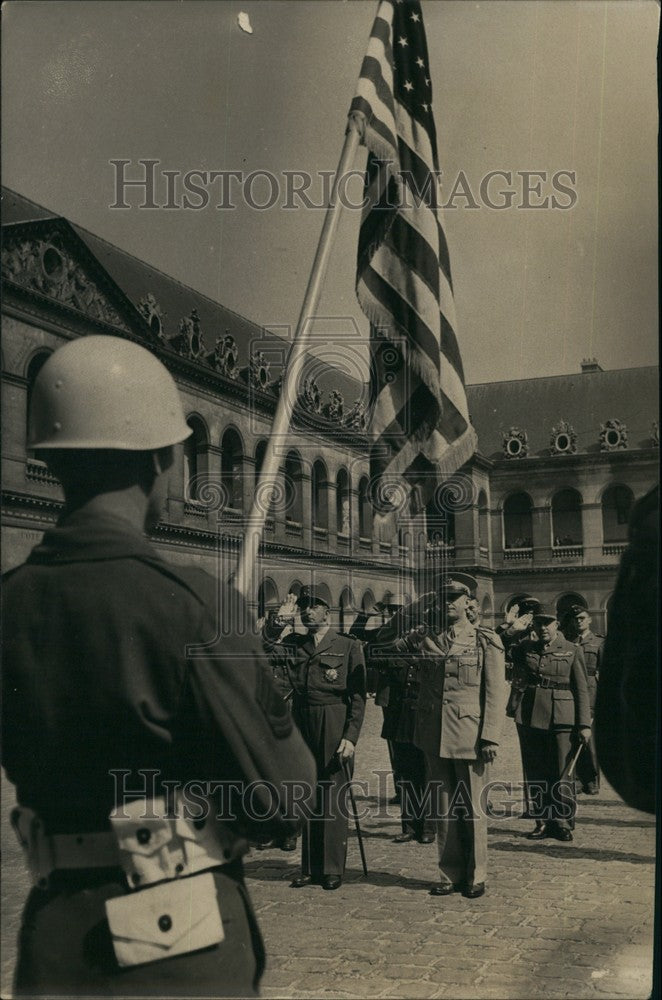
{"points": [[469, 670], [559, 668]]}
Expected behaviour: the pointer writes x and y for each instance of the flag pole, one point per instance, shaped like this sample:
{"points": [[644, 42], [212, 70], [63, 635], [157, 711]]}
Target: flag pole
{"points": [[247, 567]]}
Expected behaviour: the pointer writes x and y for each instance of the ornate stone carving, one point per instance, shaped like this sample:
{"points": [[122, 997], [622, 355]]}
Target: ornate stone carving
{"points": [[149, 308], [563, 440], [655, 434], [190, 342], [357, 418], [225, 356], [515, 443], [259, 371], [334, 410], [47, 267], [613, 435], [311, 397]]}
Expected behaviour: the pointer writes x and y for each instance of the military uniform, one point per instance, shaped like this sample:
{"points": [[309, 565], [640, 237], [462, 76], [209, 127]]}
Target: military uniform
{"points": [[462, 701], [328, 705], [97, 678], [554, 704], [399, 676], [588, 771]]}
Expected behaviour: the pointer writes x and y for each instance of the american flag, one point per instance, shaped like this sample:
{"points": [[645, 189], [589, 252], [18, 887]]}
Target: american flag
{"points": [[420, 423]]}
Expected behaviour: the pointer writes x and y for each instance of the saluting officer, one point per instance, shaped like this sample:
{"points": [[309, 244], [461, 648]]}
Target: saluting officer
{"points": [[588, 771], [327, 676], [114, 692], [399, 682], [553, 712], [460, 715]]}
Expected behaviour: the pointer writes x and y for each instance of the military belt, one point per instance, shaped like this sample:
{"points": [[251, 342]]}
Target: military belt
{"points": [[147, 845], [548, 682]]}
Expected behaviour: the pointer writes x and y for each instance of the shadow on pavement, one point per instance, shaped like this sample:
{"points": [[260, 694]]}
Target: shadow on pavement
{"points": [[549, 848], [600, 821], [277, 871]]}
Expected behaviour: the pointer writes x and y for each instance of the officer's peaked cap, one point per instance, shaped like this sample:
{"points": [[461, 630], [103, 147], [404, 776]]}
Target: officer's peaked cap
{"points": [[530, 606], [458, 583], [543, 615], [310, 596]]}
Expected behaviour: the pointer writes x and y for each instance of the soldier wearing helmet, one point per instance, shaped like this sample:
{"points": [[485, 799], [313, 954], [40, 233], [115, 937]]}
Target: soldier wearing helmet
{"points": [[117, 696]]}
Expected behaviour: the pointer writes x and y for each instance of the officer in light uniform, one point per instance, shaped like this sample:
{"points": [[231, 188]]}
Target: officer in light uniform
{"points": [[327, 676], [588, 771], [115, 692], [552, 715], [461, 708]]}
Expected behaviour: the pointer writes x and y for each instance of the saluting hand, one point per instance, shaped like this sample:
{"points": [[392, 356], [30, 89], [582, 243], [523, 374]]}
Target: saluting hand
{"points": [[345, 750]]}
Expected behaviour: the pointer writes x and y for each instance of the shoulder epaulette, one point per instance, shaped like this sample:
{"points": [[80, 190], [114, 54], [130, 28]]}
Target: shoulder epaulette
{"points": [[490, 636]]}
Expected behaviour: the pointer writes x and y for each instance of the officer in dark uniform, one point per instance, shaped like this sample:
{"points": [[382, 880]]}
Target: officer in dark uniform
{"points": [[327, 675], [116, 692], [553, 713], [588, 771], [398, 690]]}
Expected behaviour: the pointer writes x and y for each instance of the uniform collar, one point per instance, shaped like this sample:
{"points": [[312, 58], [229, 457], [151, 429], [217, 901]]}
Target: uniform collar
{"points": [[320, 635], [83, 535]]}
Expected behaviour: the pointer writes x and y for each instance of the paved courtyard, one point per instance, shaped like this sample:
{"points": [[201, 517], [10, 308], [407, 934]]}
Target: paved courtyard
{"points": [[558, 920]]}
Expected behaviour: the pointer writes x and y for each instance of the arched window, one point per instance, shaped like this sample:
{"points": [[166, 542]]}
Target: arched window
{"points": [[567, 518], [293, 490], [346, 616], [365, 509], [517, 521], [617, 503], [403, 537], [35, 366], [343, 503], [267, 597], [368, 601], [320, 495], [439, 525], [260, 452], [486, 611], [232, 468], [483, 521], [195, 448]]}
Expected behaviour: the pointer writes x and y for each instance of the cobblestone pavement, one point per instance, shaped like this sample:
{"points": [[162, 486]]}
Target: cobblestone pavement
{"points": [[558, 920]]}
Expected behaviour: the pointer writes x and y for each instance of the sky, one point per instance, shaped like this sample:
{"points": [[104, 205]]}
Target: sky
{"points": [[519, 86]]}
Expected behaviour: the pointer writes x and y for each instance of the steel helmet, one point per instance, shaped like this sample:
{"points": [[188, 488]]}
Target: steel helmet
{"points": [[105, 392]]}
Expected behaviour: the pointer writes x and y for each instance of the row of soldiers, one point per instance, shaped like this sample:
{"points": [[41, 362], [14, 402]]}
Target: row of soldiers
{"points": [[441, 679]]}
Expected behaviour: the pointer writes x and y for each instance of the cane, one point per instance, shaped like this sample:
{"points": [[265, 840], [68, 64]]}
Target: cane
{"points": [[345, 767], [570, 766]]}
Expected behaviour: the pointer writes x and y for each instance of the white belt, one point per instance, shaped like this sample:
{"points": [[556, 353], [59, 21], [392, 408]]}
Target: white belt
{"points": [[145, 842]]}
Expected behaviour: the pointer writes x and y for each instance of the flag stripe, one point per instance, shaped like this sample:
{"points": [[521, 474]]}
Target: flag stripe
{"points": [[420, 427]]}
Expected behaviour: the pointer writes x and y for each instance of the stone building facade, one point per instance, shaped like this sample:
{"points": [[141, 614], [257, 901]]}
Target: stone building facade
{"points": [[61, 282], [560, 462], [541, 508]]}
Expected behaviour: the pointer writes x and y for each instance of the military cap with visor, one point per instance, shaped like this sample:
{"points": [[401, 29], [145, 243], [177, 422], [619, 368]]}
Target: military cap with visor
{"points": [[309, 597], [457, 583]]}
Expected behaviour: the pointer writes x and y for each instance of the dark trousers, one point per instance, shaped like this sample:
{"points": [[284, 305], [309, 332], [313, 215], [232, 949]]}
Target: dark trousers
{"points": [[545, 753], [410, 776], [65, 947], [324, 837]]}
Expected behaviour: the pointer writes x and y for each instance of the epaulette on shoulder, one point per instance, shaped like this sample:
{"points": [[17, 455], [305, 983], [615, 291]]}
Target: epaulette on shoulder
{"points": [[489, 636]]}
